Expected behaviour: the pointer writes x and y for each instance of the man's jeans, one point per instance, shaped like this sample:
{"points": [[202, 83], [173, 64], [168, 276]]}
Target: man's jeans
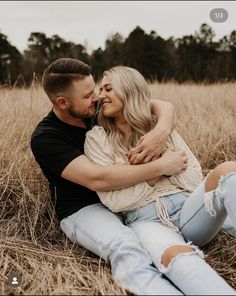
{"points": [[199, 216], [102, 232]]}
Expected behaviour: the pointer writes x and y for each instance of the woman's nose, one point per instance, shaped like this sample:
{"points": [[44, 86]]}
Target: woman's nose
{"points": [[101, 96]]}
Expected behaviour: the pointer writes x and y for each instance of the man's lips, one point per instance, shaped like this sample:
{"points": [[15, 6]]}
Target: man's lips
{"points": [[92, 106]]}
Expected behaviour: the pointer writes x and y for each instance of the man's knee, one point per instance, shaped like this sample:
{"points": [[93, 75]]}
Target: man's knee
{"points": [[172, 252], [223, 169]]}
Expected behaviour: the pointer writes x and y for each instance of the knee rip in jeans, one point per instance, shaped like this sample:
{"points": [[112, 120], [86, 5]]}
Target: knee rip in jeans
{"points": [[190, 250], [216, 195]]}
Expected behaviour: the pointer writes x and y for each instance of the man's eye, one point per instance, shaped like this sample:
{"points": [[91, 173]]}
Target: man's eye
{"points": [[88, 96]]}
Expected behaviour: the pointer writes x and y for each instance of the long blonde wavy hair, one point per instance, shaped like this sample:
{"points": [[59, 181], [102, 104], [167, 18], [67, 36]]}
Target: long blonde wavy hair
{"points": [[131, 87]]}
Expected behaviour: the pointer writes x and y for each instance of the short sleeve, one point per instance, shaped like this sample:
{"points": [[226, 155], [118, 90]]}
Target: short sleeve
{"points": [[53, 153], [98, 148]]}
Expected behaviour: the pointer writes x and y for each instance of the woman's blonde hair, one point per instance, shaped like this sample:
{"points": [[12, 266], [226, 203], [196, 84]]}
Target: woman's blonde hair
{"points": [[131, 87]]}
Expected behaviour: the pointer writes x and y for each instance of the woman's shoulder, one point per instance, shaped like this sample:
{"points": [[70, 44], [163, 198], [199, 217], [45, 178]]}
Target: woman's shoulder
{"points": [[96, 131], [97, 142], [97, 134]]}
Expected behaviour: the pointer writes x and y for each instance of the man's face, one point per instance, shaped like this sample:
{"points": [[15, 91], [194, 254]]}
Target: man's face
{"points": [[82, 98]]}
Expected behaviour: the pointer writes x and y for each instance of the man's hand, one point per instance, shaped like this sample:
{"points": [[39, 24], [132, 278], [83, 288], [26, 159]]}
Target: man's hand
{"points": [[150, 146], [175, 162]]}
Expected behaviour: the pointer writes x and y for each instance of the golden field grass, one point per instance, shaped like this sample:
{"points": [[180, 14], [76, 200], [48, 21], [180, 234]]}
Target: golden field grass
{"points": [[31, 242]]}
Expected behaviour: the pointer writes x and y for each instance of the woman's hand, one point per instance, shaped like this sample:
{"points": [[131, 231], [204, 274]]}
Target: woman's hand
{"points": [[174, 162], [150, 146]]}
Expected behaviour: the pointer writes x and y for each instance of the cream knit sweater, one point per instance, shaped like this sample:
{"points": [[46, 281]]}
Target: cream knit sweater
{"points": [[99, 149]]}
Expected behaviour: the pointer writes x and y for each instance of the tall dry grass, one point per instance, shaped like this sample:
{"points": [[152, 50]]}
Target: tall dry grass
{"points": [[31, 242]]}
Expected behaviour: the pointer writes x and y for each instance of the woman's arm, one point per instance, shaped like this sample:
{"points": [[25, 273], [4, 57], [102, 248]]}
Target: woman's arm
{"points": [[99, 150], [154, 142]]}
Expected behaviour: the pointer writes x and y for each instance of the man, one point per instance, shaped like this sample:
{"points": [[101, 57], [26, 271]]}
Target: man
{"points": [[57, 144]]}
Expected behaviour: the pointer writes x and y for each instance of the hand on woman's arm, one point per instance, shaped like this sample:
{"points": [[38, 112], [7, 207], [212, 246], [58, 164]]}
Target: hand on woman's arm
{"points": [[105, 175], [152, 145], [167, 158]]}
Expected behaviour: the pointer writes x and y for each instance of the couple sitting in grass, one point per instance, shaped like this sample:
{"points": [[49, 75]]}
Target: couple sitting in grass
{"points": [[153, 216]]}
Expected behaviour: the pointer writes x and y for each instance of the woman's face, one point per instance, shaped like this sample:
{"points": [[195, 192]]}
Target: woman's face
{"points": [[111, 104]]}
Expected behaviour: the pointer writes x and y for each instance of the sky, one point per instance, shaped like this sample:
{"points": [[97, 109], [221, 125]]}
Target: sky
{"points": [[90, 23]]}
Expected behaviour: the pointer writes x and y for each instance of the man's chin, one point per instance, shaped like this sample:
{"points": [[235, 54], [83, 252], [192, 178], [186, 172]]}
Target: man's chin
{"points": [[88, 116], [91, 112]]}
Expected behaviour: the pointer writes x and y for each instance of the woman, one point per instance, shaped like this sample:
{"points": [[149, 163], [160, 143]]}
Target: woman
{"points": [[170, 212]]}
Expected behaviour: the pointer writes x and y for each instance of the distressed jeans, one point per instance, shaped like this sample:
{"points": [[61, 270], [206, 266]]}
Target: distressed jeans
{"points": [[102, 232], [199, 216]]}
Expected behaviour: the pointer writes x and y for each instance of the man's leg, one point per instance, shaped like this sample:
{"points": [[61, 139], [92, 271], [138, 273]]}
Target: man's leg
{"points": [[103, 233]]}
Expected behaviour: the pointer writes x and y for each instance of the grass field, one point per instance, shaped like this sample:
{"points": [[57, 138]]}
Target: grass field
{"points": [[31, 242]]}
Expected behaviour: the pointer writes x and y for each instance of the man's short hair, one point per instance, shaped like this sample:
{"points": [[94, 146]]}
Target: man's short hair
{"points": [[59, 75]]}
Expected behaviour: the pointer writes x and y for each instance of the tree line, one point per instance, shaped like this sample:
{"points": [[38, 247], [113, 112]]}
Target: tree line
{"points": [[193, 57]]}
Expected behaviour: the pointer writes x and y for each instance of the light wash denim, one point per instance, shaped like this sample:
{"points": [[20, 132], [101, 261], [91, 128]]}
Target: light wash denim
{"points": [[102, 232], [229, 227], [199, 217]]}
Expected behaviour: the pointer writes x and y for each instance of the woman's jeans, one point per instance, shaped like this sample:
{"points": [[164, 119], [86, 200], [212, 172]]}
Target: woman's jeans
{"points": [[199, 216]]}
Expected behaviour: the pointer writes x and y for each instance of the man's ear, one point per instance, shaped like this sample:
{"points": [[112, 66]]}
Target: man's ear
{"points": [[62, 103]]}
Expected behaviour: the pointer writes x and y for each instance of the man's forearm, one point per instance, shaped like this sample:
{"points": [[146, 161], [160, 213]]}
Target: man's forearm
{"points": [[122, 176], [96, 177], [165, 113], [111, 177]]}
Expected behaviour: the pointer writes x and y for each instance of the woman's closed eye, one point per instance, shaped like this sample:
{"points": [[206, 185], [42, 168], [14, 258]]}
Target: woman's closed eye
{"points": [[106, 90]]}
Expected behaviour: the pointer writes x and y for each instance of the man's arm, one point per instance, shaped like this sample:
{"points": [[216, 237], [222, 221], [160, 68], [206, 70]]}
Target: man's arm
{"points": [[166, 115], [153, 143], [112, 177]]}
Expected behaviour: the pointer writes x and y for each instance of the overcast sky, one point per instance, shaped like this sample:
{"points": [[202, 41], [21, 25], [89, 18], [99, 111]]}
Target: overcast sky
{"points": [[91, 22]]}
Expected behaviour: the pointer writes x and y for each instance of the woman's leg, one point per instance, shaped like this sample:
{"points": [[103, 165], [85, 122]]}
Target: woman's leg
{"points": [[206, 209], [180, 262], [229, 227], [102, 232]]}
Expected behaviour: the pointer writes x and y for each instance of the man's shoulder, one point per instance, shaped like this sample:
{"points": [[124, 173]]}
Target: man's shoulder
{"points": [[46, 126], [45, 130]]}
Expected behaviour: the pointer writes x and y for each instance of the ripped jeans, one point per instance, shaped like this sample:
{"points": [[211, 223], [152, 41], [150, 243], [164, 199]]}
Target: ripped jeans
{"points": [[199, 216]]}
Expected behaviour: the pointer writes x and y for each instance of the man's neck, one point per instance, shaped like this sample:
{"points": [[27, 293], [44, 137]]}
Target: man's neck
{"points": [[69, 119]]}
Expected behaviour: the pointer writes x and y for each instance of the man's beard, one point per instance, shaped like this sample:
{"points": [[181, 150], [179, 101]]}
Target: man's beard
{"points": [[77, 115]]}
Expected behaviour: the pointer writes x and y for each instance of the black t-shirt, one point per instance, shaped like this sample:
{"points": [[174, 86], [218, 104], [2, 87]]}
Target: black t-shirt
{"points": [[54, 145]]}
